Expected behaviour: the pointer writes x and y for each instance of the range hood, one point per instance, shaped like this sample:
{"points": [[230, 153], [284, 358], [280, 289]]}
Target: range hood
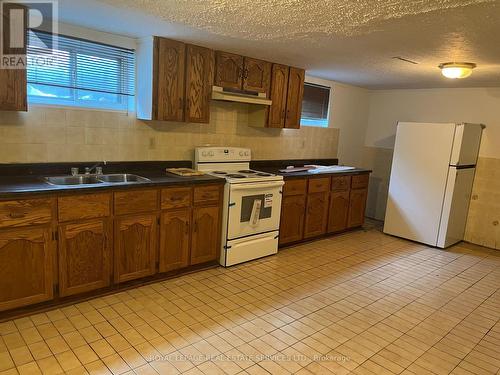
{"points": [[219, 93]]}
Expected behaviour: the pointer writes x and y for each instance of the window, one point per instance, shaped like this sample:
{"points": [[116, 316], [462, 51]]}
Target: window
{"points": [[80, 73], [315, 105]]}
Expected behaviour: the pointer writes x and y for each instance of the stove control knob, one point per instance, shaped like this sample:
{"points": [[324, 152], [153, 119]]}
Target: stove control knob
{"points": [[203, 153], [211, 153], [241, 153], [247, 153]]}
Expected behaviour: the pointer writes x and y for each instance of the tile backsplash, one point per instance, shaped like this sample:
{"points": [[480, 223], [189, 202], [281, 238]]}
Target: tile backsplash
{"points": [[47, 134]]}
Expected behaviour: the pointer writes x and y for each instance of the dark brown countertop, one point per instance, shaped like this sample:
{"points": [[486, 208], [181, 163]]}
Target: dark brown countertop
{"points": [[31, 182]]}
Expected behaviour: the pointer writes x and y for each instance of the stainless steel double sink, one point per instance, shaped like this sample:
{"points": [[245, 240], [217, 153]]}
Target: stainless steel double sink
{"points": [[84, 179]]}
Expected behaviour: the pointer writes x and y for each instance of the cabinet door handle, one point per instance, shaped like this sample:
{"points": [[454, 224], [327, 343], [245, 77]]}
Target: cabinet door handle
{"points": [[17, 215], [195, 227], [187, 228], [180, 103]]}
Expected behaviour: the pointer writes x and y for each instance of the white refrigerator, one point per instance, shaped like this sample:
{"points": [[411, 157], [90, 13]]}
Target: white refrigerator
{"points": [[431, 181]]}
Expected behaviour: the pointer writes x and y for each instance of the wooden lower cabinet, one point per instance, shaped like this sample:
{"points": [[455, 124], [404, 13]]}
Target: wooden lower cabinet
{"points": [[26, 274], [357, 207], [316, 215], [292, 218], [175, 229], [206, 235], [339, 211], [135, 247], [84, 256]]}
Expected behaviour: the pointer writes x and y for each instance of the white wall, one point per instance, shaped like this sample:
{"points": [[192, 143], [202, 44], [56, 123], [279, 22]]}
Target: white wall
{"points": [[348, 113]]}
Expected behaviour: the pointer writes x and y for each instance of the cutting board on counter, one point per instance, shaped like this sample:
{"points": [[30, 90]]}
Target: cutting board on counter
{"points": [[186, 172]]}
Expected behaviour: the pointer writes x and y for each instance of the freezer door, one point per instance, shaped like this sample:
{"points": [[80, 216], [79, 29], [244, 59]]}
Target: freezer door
{"points": [[418, 181], [456, 206], [466, 144]]}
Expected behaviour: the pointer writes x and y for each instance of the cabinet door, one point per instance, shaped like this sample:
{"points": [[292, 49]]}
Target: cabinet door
{"points": [[229, 70], [206, 234], [292, 219], [279, 85], [339, 211], [84, 256], [199, 78], [357, 206], [316, 215], [135, 247], [25, 267], [294, 98], [175, 229], [168, 103], [257, 75], [13, 92]]}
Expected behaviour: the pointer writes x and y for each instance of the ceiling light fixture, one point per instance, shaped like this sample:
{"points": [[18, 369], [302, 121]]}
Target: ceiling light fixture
{"points": [[456, 70]]}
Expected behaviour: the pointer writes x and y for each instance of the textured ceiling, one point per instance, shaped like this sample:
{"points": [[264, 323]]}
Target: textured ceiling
{"points": [[352, 41]]}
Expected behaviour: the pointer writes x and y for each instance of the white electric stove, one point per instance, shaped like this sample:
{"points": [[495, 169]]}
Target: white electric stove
{"points": [[252, 204]]}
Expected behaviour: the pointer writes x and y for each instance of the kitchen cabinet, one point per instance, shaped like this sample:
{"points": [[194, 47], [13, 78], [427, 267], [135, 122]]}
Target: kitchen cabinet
{"points": [[199, 78], [357, 207], [175, 233], [13, 95], [279, 86], [170, 60], [26, 272], [256, 75], [135, 247], [339, 204], [293, 208], [84, 256], [317, 207], [206, 234], [295, 92]]}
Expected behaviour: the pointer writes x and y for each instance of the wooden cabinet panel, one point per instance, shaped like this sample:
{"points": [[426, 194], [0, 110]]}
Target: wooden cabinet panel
{"points": [[25, 267], [87, 206], [170, 56], [13, 93], [173, 198], [292, 218], [206, 234], [279, 86], [316, 215], [128, 202], [84, 256], [341, 183], [175, 229], [25, 212], [339, 211], [210, 194], [357, 207], [295, 93], [295, 187], [228, 70], [257, 75], [199, 78], [319, 185], [135, 247], [360, 181]]}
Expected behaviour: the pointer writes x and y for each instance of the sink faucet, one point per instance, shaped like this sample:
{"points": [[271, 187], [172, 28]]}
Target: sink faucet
{"points": [[97, 167]]}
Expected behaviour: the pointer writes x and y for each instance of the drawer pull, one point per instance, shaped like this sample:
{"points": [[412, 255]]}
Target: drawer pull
{"points": [[18, 215]]}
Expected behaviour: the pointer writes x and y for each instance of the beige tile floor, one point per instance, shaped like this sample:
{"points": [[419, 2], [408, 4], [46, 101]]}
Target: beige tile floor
{"points": [[360, 303]]}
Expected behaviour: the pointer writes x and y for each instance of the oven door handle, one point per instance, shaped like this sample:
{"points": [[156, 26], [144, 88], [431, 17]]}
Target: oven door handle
{"points": [[265, 185]]}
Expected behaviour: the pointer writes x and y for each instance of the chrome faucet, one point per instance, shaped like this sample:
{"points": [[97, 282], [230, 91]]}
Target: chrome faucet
{"points": [[97, 167]]}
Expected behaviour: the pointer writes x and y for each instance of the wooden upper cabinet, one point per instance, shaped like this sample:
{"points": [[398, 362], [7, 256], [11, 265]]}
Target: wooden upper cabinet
{"points": [[135, 247], [13, 92], [25, 267], [169, 65], [295, 94], [279, 86], [256, 75], [228, 70], [84, 256], [199, 78]]}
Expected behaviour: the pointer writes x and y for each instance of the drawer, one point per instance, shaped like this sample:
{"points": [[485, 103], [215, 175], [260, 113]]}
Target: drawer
{"points": [[130, 202], [360, 181], [295, 187], [19, 213], [319, 185], [341, 183], [85, 206], [207, 194], [176, 198]]}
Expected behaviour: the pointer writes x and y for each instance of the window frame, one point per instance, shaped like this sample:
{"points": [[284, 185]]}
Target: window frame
{"points": [[323, 123]]}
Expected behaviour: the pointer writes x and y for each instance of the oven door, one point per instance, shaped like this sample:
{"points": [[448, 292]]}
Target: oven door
{"points": [[254, 208]]}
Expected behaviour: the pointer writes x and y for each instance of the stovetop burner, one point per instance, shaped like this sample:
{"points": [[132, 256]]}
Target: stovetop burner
{"points": [[219, 172], [235, 175], [247, 171], [263, 174]]}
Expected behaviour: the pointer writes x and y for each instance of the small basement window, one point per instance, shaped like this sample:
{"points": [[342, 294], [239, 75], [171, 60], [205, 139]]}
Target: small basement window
{"points": [[79, 73], [315, 105]]}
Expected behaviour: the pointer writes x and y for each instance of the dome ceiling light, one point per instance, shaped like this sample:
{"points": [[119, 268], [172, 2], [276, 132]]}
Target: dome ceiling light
{"points": [[456, 70]]}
